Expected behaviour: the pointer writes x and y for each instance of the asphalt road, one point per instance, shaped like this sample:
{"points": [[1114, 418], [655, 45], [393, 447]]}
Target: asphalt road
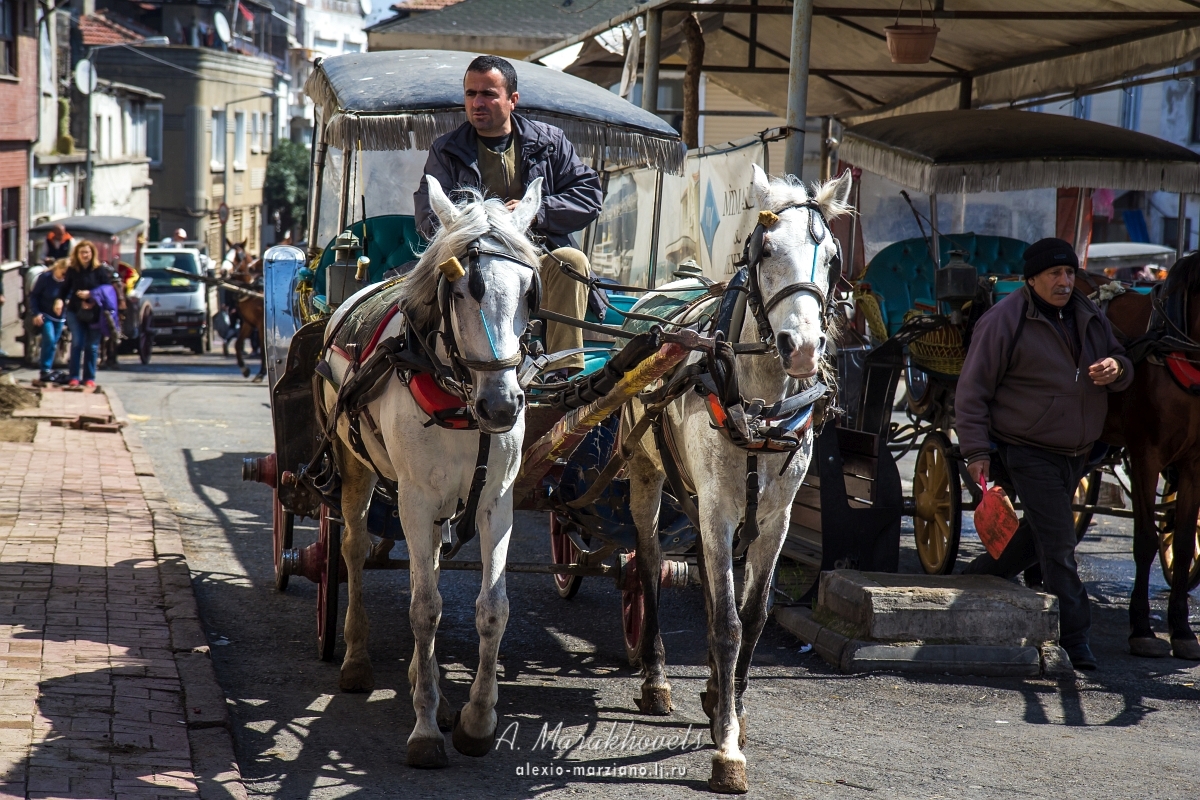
{"points": [[1131, 729]]}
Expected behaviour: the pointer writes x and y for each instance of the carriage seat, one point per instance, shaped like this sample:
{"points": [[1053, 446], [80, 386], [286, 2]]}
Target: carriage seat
{"points": [[901, 276], [389, 240]]}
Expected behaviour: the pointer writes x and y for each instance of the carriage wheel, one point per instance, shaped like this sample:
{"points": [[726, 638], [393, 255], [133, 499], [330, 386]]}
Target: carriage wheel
{"points": [[1166, 541], [633, 612], [282, 525], [145, 340], [327, 588], [937, 495], [1086, 494], [563, 551], [918, 388]]}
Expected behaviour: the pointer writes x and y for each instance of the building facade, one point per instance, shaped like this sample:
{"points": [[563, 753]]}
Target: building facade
{"points": [[18, 130]]}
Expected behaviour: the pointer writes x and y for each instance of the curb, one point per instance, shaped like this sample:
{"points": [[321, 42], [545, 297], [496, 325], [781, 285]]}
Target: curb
{"points": [[855, 656], [210, 732]]}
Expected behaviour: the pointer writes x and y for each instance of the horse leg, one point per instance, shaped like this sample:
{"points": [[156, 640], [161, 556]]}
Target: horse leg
{"points": [[1144, 469], [237, 346], [645, 499], [475, 724], [358, 484], [262, 351], [1187, 506], [426, 745], [724, 638], [756, 588]]}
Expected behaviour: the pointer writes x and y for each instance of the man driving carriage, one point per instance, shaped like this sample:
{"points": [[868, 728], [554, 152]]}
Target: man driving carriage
{"points": [[500, 152], [1034, 391]]}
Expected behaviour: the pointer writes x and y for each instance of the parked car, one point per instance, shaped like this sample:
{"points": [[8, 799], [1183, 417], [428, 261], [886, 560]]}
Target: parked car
{"points": [[181, 309]]}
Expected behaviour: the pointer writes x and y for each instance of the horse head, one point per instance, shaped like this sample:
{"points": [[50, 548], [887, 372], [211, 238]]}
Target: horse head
{"points": [[795, 264], [479, 279]]}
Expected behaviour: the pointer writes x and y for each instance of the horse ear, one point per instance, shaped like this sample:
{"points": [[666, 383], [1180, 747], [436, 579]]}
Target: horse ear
{"points": [[761, 187], [440, 203], [527, 209], [834, 196]]}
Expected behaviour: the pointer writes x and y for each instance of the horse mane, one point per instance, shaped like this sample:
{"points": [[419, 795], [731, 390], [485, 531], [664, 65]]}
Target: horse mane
{"points": [[1185, 275], [477, 217]]}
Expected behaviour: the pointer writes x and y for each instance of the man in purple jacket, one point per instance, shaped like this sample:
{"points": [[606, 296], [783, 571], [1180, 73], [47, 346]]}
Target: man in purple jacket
{"points": [[1034, 392], [500, 152]]}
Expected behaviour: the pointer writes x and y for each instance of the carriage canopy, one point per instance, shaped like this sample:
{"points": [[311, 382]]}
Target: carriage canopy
{"points": [[404, 99]]}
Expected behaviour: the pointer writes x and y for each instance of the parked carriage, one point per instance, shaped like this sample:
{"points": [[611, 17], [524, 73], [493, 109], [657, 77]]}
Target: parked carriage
{"points": [[372, 144], [928, 308]]}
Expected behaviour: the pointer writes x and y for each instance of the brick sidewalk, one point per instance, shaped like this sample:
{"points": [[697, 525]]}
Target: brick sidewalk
{"points": [[97, 626]]}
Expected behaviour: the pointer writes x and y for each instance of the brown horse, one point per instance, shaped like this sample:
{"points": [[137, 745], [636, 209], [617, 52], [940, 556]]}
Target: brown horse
{"points": [[1158, 424], [251, 312]]}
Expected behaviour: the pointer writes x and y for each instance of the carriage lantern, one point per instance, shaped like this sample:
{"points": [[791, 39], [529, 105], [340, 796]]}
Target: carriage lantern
{"points": [[342, 275], [955, 284]]}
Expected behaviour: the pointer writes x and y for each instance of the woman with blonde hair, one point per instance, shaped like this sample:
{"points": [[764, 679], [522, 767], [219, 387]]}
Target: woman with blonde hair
{"points": [[84, 276]]}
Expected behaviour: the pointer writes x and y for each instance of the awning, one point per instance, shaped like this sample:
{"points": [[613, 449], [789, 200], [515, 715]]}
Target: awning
{"points": [[989, 52], [106, 226], [981, 151]]}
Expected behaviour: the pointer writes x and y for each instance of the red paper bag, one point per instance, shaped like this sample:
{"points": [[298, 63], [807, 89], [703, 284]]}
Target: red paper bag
{"points": [[995, 519]]}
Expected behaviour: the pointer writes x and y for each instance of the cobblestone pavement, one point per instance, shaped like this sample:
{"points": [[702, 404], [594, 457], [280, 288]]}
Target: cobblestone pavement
{"points": [[1130, 730], [92, 704]]}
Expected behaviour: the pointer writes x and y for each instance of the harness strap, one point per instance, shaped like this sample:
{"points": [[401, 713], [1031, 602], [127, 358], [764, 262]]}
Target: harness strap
{"points": [[465, 529], [618, 460], [749, 530], [671, 467]]}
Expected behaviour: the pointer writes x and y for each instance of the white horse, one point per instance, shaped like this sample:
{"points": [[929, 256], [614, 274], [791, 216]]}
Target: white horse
{"points": [[797, 248], [433, 466]]}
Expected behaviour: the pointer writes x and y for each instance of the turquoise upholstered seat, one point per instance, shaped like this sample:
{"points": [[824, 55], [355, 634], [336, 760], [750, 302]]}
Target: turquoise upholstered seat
{"points": [[390, 241], [901, 275]]}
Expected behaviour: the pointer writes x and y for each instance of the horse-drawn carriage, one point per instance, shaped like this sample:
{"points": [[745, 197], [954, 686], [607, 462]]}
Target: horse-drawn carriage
{"points": [[929, 306]]}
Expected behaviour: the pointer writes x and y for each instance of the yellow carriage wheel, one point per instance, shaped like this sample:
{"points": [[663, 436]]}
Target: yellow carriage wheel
{"points": [[1166, 541], [937, 501], [1086, 494]]}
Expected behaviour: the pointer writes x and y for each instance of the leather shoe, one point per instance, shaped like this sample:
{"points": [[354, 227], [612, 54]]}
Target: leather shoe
{"points": [[1081, 657]]}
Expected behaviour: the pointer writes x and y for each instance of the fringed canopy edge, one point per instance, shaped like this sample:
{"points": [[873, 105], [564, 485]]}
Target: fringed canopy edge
{"points": [[615, 145], [923, 175]]}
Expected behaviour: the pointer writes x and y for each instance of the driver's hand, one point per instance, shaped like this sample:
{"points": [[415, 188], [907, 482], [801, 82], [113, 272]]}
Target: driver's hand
{"points": [[37, 321], [511, 205], [1104, 371], [977, 468]]}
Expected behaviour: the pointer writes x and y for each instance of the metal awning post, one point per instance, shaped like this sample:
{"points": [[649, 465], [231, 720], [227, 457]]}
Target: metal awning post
{"points": [[797, 105], [1181, 241], [1080, 199], [933, 231], [650, 71]]}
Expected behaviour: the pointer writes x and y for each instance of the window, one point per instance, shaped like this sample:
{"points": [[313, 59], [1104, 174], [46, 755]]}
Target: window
{"points": [[329, 45], [97, 137], [268, 131], [1082, 107], [1131, 108], [218, 140], [10, 228], [239, 140], [154, 134], [351, 47], [255, 132], [8, 37], [108, 139], [41, 200]]}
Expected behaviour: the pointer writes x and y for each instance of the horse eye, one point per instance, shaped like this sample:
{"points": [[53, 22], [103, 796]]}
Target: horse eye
{"points": [[459, 295]]}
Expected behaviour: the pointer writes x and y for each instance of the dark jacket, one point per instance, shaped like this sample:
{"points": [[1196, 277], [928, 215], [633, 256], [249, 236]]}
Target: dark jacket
{"points": [[45, 291], [1042, 396], [571, 193], [81, 279]]}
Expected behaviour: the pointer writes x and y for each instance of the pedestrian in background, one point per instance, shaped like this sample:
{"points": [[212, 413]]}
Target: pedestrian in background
{"points": [[1034, 390], [46, 306], [58, 245], [84, 275]]}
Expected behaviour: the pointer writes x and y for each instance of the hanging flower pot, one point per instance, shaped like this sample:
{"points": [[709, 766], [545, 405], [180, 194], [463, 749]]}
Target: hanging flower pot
{"points": [[912, 44]]}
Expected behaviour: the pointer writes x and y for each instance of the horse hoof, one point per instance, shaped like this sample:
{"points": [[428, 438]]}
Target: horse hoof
{"points": [[655, 701], [1187, 649], [1149, 647], [357, 676], [728, 777], [245, 372], [445, 715], [469, 745], [427, 754]]}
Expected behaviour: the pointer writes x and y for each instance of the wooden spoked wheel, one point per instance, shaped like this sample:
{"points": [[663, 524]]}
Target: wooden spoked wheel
{"points": [[282, 525], [563, 551], [1086, 494], [1166, 542], [937, 497], [633, 612], [330, 536]]}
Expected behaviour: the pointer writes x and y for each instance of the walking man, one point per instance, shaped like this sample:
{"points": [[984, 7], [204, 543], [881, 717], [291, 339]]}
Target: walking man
{"points": [[1033, 393], [500, 152]]}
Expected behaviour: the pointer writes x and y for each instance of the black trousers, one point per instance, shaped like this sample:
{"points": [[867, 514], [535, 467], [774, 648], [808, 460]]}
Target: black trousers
{"points": [[1045, 482]]}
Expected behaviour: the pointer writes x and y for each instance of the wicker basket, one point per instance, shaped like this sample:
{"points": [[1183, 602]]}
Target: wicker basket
{"points": [[940, 351]]}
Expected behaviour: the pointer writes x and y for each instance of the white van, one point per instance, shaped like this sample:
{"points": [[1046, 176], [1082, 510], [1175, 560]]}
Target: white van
{"points": [[182, 309]]}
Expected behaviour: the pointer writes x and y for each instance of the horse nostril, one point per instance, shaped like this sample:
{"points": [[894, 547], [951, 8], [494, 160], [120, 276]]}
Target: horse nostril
{"points": [[785, 342], [481, 409], [821, 342]]}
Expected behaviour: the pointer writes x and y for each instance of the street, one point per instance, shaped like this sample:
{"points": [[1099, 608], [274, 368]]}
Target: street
{"points": [[1131, 729]]}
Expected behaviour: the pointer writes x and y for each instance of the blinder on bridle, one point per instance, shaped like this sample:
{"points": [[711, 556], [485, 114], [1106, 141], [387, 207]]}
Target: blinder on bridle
{"points": [[452, 270], [752, 256]]}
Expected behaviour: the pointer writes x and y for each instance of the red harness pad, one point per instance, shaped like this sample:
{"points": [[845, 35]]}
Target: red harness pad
{"points": [[1185, 372], [444, 407]]}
